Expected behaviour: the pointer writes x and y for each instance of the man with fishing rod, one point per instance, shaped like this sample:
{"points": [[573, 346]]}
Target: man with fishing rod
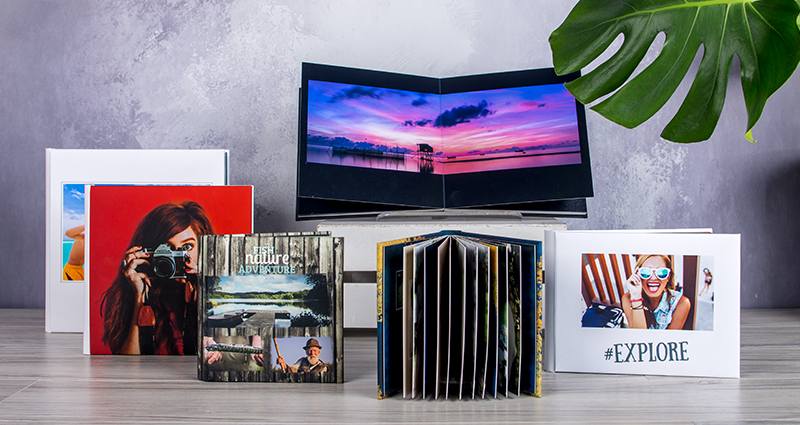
{"points": [[310, 363]]}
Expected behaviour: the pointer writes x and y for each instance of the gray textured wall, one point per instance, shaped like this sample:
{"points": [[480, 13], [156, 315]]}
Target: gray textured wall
{"points": [[195, 74]]}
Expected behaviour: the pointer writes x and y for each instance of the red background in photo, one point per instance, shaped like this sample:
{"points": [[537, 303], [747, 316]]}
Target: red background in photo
{"points": [[115, 212]]}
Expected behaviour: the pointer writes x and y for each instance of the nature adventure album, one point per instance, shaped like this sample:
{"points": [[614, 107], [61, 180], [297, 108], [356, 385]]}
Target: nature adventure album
{"points": [[660, 302], [143, 252], [459, 316], [271, 308]]}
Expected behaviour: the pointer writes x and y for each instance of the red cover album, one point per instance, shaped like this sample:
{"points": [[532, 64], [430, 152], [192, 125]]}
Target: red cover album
{"points": [[142, 266]]}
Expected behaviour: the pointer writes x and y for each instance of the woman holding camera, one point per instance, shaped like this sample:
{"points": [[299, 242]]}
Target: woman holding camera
{"points": [[146, 314], [652, 301]]}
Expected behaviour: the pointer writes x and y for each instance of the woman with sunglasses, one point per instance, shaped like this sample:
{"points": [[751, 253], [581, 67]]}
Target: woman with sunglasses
{"points": [[652, 301]]}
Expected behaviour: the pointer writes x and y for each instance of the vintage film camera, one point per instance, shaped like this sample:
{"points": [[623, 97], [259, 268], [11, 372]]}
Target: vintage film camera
{"points": [[165, 263]]}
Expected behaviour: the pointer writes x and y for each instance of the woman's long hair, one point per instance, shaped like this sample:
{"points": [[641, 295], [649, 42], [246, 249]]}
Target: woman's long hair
{"points": [[166, 300], [649, 317]]}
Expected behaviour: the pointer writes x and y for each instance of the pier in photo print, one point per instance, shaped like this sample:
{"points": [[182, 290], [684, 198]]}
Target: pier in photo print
{"points": [[381, 128]]}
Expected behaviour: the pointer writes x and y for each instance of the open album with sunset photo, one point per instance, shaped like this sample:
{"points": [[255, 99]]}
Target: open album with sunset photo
{"points": [[411, 142]]}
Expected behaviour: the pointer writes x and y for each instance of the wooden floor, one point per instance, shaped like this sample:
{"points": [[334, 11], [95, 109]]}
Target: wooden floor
{"points": [[44, 378]]}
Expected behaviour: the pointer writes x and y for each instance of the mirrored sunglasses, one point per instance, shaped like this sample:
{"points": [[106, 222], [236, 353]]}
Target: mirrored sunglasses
{"points": [[661, 272]]}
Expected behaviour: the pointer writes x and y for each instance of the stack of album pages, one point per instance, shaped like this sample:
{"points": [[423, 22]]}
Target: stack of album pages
{"points": [[459, 316]]}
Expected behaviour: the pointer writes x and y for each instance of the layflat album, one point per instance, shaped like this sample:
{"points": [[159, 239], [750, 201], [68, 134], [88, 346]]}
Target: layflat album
{"points": [[405, 141]]}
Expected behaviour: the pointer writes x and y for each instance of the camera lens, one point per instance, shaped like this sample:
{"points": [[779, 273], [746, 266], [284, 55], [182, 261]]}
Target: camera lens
{"points": [[164, 268]]}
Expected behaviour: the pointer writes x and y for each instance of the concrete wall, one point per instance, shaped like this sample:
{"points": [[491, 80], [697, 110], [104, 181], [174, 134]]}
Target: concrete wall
{"points": [[225, 74]]}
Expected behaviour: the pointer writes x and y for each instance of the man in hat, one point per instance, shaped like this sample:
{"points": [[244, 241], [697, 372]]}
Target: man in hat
{"points": [[309, 363]]}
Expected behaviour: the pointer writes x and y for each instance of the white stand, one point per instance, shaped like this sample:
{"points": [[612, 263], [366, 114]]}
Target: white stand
{"points": [[361, 237]]}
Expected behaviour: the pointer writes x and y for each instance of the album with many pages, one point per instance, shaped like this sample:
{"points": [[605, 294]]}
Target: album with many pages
{"points": [[459, 316]]}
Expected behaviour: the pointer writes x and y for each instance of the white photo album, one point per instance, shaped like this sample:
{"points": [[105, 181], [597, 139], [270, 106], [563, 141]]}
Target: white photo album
{"points": [[67, 173], [656, 303]]}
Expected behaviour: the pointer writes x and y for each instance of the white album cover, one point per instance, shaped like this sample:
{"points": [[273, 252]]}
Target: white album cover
{"points": [[658, 303], [68, 171]]}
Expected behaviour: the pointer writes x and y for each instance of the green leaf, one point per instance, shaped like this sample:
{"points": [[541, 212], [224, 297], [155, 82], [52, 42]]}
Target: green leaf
{"points": [[763, 33]]}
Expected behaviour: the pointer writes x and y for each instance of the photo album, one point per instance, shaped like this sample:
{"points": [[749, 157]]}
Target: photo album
{"points": [[271, 308], [143, 256], [459, 317], [405, 142], [638, 302], [68, 171]]}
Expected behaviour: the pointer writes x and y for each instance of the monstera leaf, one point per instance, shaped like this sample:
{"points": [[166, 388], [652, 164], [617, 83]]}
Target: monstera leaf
{"points": [[763, 33]]}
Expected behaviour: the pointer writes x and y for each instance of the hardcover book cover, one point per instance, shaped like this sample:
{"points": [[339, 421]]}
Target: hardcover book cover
{"points": [[68, 171], [271, 308], [459, 316], [643, 302], [143, 252]]}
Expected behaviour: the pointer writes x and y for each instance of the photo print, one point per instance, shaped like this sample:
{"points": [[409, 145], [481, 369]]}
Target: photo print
{"points": [[73, 231], [647, 291], [268, 300], [519, 127]]}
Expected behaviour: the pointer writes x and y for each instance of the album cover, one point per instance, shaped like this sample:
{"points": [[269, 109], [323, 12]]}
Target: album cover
{"points": [[271, 308], [68, 171], [660, 302], [143, 251]]}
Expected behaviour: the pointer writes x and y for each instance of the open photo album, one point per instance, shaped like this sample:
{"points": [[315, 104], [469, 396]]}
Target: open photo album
{"points": [[412, 142], [459, 317]]}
